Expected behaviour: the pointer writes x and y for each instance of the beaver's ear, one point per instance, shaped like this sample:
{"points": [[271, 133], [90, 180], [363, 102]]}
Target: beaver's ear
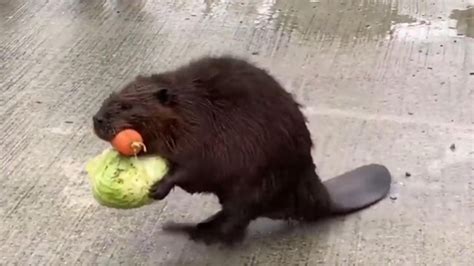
{"points": [[163, 96]]}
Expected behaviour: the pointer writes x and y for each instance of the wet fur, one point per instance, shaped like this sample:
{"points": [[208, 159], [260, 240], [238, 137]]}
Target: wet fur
{"points": [[227, 127]]}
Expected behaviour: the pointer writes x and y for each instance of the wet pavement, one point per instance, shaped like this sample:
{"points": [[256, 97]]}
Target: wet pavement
{"points": [[382, 81]]}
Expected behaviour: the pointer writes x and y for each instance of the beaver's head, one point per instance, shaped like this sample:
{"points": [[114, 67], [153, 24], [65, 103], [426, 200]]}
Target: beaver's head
{"points": [[144, 105]]}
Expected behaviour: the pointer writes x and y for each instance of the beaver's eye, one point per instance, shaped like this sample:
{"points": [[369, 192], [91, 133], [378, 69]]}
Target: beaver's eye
{"points": [[163, 96], [125, 106]]}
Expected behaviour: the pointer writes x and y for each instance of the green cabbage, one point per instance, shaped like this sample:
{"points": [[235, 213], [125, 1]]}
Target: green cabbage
{"points": [[123, 182]]}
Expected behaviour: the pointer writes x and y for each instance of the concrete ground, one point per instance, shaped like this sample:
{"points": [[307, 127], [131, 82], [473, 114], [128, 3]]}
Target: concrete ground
{"points": [[382, 81]]}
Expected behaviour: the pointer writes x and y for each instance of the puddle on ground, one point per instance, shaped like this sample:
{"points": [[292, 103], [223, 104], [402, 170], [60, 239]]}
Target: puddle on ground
{"points": [[359, 19], [313, 19], [459, 24], [422, 31], [464, 21]]}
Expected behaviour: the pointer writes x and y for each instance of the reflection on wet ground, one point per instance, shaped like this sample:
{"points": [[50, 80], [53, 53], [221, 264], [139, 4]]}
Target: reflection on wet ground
{"points": [[366, 20], [360, 19], [346, 21], [465, 21], [460, 23]]}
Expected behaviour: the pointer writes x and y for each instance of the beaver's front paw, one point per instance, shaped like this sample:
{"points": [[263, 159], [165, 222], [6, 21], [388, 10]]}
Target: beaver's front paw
{"points": [[161, 189]]}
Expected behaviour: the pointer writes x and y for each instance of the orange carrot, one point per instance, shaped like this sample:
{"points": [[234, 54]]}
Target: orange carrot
{"points": [[128, 142]]}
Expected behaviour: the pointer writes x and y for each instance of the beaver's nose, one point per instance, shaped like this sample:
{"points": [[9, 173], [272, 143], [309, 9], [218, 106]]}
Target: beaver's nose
{"points": [[98, 120]]}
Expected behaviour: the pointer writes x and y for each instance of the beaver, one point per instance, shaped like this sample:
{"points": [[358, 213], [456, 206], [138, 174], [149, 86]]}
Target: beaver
{"points": [[227, 127]]}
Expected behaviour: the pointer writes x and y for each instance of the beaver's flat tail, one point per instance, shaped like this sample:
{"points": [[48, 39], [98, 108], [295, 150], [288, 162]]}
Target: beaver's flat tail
{"points": [[358, 189]]}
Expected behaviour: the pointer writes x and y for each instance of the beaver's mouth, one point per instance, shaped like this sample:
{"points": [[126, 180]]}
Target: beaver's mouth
{"points": [[105, 132]]}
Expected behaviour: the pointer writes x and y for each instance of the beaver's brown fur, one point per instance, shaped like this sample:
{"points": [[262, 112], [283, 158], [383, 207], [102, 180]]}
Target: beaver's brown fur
{"points": [[227, 127]]}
